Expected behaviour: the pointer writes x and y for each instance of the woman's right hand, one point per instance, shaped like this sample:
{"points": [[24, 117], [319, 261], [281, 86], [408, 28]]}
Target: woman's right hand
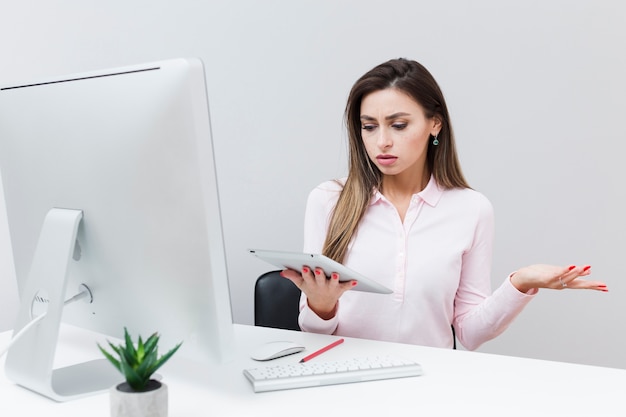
{"points": [[322, 293]]}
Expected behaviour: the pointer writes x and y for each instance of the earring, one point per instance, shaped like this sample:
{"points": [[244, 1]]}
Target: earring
{"points": [[435, 140]]}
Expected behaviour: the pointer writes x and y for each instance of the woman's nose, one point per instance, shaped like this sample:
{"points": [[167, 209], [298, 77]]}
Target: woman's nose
{"points": [[384, 139]]}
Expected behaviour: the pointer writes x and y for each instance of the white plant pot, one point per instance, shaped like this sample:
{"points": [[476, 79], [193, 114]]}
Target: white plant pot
{"points": [[128, 403]]}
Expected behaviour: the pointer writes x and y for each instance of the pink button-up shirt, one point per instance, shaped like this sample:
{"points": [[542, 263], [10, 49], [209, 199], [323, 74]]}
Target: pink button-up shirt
{"points": [[437, 262]]}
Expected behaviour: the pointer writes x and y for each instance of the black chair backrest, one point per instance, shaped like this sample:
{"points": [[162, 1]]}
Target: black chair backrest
{"points": [[276, 302]]}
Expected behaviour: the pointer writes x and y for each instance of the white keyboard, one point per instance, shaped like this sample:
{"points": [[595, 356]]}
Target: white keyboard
{"points": [[315, 373]]}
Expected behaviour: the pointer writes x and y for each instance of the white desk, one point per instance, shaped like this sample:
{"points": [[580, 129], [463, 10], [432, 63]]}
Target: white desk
{"points": [[455, 383]]}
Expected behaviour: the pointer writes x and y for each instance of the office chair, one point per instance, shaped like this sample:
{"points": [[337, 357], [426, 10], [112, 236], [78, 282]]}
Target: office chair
{"points": [[453, 338], [276, 302]]}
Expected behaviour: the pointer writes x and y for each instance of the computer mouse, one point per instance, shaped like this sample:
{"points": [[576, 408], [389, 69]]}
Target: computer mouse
{"points": [[273, 350]]}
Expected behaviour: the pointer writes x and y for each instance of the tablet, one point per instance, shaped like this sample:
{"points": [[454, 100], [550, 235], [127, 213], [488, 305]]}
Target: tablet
{"points": [[296, 260]]}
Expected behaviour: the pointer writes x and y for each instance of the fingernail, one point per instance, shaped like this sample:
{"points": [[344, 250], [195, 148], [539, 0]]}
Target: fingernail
{"points": [[572, 267], [587, 268], [305, 270], [334, 275], [318, 272], [354, 283]]}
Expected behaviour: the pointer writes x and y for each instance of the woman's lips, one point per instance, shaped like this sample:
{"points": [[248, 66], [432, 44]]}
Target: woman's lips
{"points": [[386, 159]]}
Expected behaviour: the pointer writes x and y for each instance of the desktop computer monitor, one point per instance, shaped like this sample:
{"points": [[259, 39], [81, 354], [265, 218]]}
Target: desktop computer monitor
{"points": [[110, 184]]}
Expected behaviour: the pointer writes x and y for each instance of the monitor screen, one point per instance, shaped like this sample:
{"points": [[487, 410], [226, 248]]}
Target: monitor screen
{"points": [[129, 150]]}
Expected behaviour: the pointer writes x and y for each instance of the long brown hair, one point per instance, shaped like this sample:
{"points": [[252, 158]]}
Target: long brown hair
{"points": [[364, 177]]}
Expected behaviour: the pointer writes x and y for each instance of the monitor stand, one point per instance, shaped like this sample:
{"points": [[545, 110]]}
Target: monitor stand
{"points": [[30, 360]]}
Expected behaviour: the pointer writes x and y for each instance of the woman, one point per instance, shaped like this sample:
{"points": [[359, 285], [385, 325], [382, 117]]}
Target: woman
{"points": [[406, 217]]}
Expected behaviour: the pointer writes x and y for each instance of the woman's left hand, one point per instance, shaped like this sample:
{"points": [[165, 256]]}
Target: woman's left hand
{"points": [[555, 277]]}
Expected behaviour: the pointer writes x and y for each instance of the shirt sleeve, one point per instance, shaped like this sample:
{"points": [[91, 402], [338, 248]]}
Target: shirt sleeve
{"points": [[320, 204], [479, 314]]}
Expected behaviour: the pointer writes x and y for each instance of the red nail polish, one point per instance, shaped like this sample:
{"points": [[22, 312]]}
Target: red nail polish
{"points": [[305, 270], [334, 275], [572, 267], [318, 272], [587, 268], [354, 283]]}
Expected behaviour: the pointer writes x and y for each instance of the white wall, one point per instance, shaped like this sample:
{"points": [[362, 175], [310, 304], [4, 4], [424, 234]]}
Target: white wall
{"points": [[537, 95]]}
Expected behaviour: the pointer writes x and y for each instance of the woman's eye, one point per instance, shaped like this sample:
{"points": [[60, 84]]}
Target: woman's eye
{"points": [[398, 126], [368, 128]]}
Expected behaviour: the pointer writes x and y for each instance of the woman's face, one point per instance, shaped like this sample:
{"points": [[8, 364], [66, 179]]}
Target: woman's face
{"points": [[396, 132]]}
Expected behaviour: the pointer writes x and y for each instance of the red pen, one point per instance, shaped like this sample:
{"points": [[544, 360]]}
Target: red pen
{"points": [[322, 350]]}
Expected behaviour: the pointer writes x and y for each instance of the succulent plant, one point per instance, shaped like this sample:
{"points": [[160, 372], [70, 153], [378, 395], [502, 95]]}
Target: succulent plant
{"points": [[137, 362]]}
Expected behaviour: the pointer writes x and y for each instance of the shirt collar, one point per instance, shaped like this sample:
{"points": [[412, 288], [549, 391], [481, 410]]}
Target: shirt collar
{"points": [[430, 194]]}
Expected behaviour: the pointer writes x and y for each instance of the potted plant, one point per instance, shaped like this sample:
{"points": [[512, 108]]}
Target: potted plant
{"points": [[139, 394]]}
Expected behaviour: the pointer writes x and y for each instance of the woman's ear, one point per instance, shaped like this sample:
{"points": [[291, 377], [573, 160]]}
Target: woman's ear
{"points": [[436, 125]]}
